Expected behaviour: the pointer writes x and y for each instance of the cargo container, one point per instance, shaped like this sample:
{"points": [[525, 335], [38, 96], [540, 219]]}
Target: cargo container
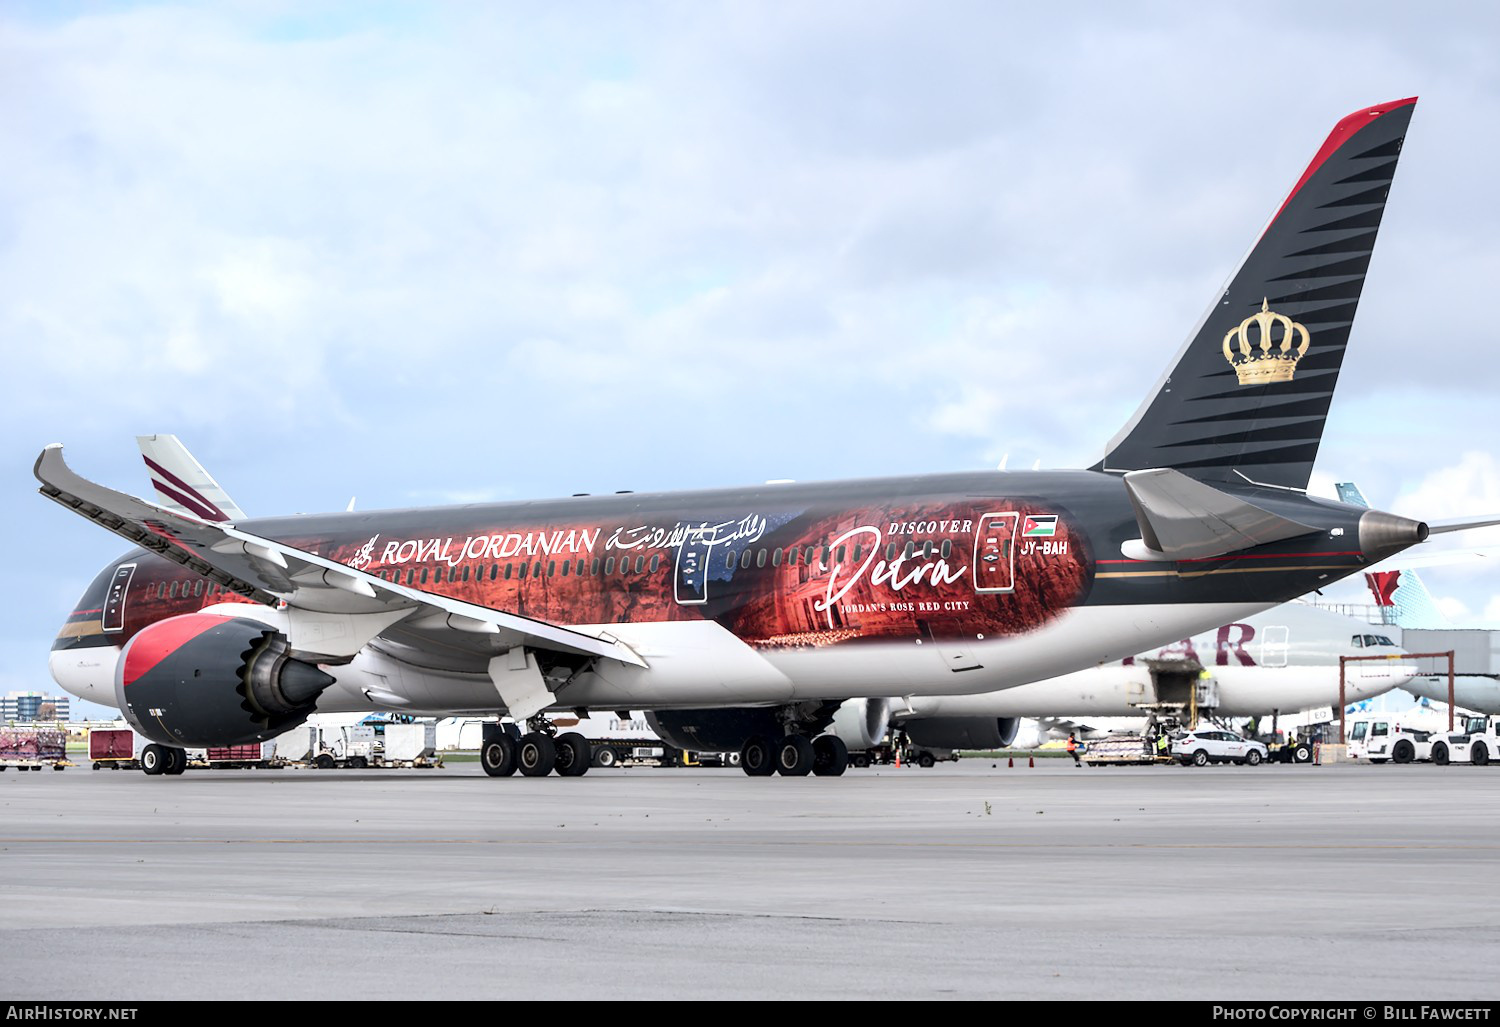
{"points": [[114, 747], [242, 757], [28, 747], [410, 745]]}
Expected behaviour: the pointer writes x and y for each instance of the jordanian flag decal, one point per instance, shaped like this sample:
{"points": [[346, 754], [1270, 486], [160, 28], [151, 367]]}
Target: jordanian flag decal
{"points": [[1039, 527]]}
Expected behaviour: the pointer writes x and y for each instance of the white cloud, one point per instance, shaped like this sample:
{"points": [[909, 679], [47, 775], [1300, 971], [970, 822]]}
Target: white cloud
{"points": [[452, 249]]}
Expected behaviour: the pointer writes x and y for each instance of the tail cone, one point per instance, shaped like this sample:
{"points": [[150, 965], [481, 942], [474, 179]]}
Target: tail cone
{"points": [[1382, 534]]}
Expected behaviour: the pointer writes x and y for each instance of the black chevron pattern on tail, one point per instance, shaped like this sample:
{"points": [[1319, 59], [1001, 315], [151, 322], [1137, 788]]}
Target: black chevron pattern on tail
{"points": [[1263, 414]]}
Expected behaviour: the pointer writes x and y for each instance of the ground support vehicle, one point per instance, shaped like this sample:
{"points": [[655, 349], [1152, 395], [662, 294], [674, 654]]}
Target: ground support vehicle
{"points": [[1298, 751], [1202, 746], [32, 748], [886, 752], [1478, 743], [1121, 751], [1383, 738]]}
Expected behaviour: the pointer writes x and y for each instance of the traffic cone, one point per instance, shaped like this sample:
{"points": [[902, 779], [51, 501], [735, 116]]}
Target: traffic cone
{"points": [[898, 758], [1012, 762], [1031, 761]]}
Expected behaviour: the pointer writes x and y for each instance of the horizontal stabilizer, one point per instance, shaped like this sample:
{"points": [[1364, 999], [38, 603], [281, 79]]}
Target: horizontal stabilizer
{"points": [[1462, 523], [1181, 518]]}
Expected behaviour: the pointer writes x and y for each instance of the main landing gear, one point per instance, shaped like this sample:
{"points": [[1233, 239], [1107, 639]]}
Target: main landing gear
{"points": [[163, 759], [537, 753], [795, 756]]}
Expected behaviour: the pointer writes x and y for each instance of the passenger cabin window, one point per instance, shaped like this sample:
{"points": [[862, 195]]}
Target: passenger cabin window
{"points": [[640, 564], [609, 565], [947, 548], [760, 558], [745, 559], [655, 562], [507, 572], [567, 566], [776, 557], [594, 567], [890, 551]]}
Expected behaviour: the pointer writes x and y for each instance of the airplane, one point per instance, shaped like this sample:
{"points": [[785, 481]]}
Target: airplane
{"points": [[1406, 603], [786, 598], [1282, 661]]}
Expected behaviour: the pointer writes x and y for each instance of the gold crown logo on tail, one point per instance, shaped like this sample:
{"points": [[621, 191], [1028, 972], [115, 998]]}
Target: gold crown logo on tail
{"points": [[1263, 365]]}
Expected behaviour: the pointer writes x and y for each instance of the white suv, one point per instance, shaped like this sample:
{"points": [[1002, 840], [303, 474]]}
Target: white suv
{"points": [[1212, 745]]}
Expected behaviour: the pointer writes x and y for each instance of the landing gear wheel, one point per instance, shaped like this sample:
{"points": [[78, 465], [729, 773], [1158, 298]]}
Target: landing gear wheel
{"points": [[925, 760], [1200, 758], [604, 756], [1479, 755], [1403, 752], [153, 759], [498, 756], [830, 756], [860, 759], [1252, 758], [175, 761], [574, 754], [794, 756], [756, 758], [536, 754], [1440, 754]]}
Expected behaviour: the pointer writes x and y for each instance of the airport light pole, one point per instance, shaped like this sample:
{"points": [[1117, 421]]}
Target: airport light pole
{"points": [[1343, 660]]}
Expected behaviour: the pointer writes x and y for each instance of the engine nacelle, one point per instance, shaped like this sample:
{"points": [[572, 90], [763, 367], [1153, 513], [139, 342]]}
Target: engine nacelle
{"points": [[962, 732], [862, 723], [202, 679]]}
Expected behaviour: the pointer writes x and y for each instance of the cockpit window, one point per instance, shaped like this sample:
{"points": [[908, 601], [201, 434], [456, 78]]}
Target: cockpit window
{"points": [[1358, 641]]}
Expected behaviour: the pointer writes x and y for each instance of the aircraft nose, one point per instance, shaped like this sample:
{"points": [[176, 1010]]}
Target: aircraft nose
{"points": [[88, 673]]}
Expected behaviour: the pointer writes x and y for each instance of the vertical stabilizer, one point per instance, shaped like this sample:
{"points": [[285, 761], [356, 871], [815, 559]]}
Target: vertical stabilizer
{"points": [[181, 483], [1248, 394]]}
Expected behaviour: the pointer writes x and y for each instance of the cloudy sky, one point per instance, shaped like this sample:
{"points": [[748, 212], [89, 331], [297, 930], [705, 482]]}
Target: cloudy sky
{"points": [[426, 253]]}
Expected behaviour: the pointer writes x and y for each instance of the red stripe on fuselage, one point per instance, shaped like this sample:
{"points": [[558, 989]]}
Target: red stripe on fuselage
{"points": [[162, 639]]}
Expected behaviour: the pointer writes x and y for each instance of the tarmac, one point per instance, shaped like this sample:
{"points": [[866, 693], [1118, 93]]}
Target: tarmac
{"points": [[968, 880]]}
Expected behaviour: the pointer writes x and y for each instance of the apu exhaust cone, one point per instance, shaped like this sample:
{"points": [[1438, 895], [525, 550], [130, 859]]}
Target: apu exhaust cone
{"points": [[1383, 534]]}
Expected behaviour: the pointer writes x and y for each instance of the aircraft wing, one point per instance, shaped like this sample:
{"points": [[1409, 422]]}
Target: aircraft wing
{"points": [[333, 609]]}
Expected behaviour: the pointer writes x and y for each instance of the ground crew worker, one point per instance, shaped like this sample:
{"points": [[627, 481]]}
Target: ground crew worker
{"points": [[1163, 744], [1073, 750]]}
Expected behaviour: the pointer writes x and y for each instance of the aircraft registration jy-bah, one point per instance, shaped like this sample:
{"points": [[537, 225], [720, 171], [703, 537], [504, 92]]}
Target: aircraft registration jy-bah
{"points": [[785, 598]]}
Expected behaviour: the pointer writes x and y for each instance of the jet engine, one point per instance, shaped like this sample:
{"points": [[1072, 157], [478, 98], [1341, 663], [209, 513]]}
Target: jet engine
{"points": [[202, 679], [962, 732], [862, 723]]}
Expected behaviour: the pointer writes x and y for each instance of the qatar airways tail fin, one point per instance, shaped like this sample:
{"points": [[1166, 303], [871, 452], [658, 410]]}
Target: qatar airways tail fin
{"points": [[1247, 395], [181, 483], [1400, 591]]}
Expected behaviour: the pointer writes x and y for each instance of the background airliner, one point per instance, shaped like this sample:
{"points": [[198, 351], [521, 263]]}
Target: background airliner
{"points": [[790, 598]]}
